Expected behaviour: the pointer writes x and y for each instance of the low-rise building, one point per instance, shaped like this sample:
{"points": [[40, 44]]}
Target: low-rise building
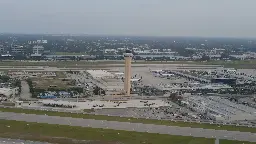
{"points": [[8, 92], [17, 49], [38, 49], [1, 49], [110, 51]]}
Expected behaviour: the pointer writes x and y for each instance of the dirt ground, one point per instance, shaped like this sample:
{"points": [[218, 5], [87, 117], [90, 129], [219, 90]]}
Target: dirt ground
{"points": [[45, 82]]}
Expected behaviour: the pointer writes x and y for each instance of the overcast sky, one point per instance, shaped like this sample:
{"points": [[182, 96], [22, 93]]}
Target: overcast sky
{"points": [[235, 18]]}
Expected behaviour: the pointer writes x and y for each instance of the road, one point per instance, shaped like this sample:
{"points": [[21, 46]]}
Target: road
{"points": [[150, 128], [25, 93]]}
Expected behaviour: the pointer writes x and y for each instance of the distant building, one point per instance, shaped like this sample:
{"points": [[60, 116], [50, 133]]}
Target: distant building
{"points": [[240, 57], [194, 49], [36, 56], [167, 50], [110, 51], [216, 56], [38, 42], [1, 49], [7, 92], [154, 50], [17, 49], [122, 49], [47, 51], [6, 55], [38, 49], [41, 41]]}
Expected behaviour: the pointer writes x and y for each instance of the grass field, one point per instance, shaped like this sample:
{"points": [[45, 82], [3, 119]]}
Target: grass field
{"points": [[40, 132], [133, 120], [68, 134], [251, 64]]}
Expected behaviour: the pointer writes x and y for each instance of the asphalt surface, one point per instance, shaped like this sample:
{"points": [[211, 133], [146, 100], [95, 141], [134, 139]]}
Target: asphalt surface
{"points": [[150, 128]]}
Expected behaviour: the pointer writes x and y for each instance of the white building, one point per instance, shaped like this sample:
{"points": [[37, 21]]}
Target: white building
{"points": [[7, 92], [155, 50], [38, 49], [18, 49], [122, 49], [119, 75], [240, 57], [41, 41], [100, 74], [110, 51]]}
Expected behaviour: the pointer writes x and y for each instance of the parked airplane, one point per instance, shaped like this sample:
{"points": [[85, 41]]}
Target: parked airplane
{"points": [[165, 75], [156, 71], [133, 79]]}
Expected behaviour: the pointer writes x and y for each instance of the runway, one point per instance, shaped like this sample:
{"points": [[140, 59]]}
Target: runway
{"points": [[138, 127]]}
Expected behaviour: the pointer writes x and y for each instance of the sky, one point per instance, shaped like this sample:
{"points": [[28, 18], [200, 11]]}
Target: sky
{"points": [[210, 18]]}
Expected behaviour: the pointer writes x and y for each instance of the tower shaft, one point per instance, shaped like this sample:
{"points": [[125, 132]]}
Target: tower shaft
{"points": [[127, 82]]}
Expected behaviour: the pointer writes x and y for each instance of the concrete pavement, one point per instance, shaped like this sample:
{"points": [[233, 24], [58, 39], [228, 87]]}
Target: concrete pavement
{"points": [[25, 93], [138, 127]]}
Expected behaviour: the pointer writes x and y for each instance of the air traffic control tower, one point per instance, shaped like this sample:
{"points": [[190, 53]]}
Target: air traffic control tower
{"points": [[127, 73]]}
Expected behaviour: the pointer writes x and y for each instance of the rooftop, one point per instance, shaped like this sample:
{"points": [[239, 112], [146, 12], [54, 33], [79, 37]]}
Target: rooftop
{"points": [[100, 73]]}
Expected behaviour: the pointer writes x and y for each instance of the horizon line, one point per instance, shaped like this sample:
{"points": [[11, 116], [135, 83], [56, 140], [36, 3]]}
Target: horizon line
{"points": [[125, 35]]}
